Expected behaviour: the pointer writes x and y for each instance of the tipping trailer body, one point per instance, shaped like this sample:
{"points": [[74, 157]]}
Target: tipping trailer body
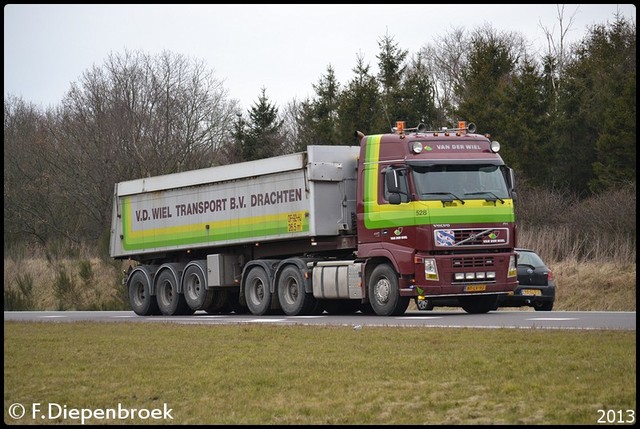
{"points": [[291, 197]]}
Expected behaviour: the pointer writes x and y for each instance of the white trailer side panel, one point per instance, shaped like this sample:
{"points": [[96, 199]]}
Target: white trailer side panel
{"points": [[292, 196]]}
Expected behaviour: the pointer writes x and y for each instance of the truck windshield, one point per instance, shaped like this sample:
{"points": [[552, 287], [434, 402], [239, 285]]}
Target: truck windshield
{"points": [[465, 182]]}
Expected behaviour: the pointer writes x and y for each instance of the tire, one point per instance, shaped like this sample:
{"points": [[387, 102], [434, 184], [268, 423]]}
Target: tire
{"points": [[384, 292], [140, 298], [234, 304], [170, 302], [293, 299], [365, 308], [478, 304], [219, 303], [194, 286], [544, 306], [257, 291]]}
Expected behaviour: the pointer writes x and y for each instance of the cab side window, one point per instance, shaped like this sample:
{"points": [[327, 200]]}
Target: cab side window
{"points": [[402, 182]]}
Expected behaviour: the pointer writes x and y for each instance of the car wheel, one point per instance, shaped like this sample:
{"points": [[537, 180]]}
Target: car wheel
{"points": [[544, 306], [424, 304]]}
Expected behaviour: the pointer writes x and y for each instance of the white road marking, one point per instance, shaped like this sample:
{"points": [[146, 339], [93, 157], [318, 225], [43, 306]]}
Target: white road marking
{"points": [[555, 318], [419, 318]]}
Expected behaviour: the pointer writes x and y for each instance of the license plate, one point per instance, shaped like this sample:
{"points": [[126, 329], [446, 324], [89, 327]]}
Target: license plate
{"points": [[475, 288], [530, 292]]}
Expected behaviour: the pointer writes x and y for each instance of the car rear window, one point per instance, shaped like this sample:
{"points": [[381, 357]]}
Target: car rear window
{"points": [[529, 258]]}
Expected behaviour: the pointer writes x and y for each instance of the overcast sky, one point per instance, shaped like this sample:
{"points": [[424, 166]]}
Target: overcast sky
{"points": [[283, 48]]}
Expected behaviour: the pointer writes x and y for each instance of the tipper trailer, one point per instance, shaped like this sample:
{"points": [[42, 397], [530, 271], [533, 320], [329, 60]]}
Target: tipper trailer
{"points": [[407, 215]]}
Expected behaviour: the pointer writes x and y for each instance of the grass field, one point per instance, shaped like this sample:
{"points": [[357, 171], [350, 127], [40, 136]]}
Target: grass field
{"points": [[266, 374]]}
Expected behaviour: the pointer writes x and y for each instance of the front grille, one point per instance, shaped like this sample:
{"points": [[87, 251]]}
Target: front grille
{"points": [[471, 237], [473, 262]]}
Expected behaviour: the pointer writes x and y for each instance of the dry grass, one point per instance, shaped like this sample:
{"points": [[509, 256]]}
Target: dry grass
{"points": [[581, 286], [595, 286], [66, 284]]}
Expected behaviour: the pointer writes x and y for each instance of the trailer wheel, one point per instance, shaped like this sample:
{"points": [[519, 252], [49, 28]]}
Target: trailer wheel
{"points": [[219, 302], [257, 291], [196, 293], [140, 299], [293, 299], [234, 305], [384, 292], [170, 302]]}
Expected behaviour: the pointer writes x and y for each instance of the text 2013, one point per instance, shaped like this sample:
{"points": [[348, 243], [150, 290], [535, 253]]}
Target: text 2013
{"points": [[616, 416]]}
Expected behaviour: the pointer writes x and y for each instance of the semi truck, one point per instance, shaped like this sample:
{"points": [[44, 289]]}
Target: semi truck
{"points": [[407, 215]]}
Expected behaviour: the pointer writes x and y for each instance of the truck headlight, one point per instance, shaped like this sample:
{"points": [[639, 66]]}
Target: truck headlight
{"points": [[513, 270], [430, 269]]}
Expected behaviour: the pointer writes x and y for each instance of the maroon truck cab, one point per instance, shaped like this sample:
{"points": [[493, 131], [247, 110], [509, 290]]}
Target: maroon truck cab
{"points": [[438, 207]]}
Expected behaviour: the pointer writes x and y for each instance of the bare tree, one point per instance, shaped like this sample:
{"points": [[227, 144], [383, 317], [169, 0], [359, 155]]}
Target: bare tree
{"points": [[444, 60], [557, 50], [135, 116]]}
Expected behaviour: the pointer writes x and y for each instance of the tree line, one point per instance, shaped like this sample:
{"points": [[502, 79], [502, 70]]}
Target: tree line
{"points": [[566, 120]]}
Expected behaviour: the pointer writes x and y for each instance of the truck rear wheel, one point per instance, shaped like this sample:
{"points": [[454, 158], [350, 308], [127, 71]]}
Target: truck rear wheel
{"points": [[257, 291], [384, 292], [140, 298], [293, 299], [170, 302], [196, 293]]}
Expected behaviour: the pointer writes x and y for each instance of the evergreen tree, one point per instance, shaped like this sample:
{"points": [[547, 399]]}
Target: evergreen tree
{"points": [[416, 96], [488, 74], [598, 106], [324, 109], [360, 107], [262, 137], [391, 72], [525, 141]]}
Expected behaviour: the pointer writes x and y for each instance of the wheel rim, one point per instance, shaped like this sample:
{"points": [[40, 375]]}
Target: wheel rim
{"points": [[166, 294], [382, 290], [139, 295], [257, 291], [193, 287], [291, 291]]}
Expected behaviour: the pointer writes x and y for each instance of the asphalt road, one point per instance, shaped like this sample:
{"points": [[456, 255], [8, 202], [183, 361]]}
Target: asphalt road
{"points": [[415, 318]]}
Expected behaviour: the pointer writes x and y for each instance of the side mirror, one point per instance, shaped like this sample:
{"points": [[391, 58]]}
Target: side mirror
{"points": [[392, 181], [511, 178], [394, 198]]}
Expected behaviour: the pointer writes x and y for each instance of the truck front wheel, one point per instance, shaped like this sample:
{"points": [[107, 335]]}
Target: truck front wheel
{"points": [[384, 292], [257, 291]]}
